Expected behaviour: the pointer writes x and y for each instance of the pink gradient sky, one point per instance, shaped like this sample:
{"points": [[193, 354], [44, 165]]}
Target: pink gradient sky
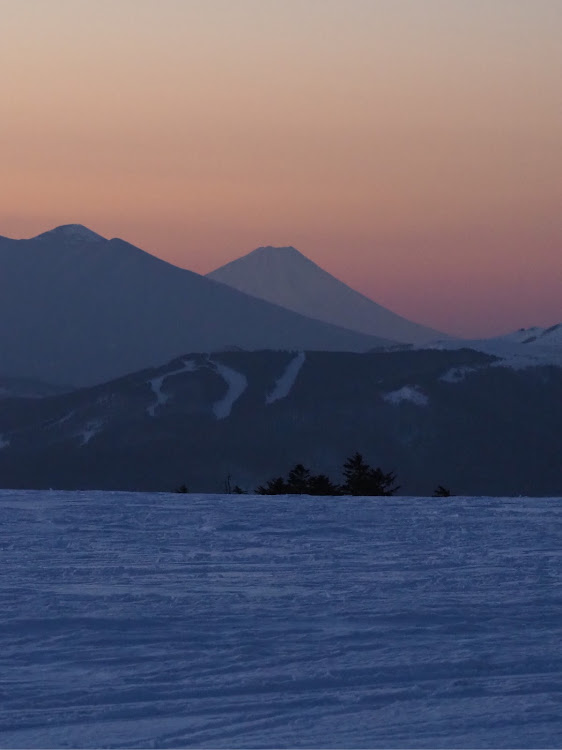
{"points": [[413, 148]]}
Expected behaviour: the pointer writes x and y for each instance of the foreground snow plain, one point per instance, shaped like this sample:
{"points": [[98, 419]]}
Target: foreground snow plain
{"points": [[154, 620]]}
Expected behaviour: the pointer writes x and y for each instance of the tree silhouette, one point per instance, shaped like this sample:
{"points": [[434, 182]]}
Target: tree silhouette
{"points": [[441, 491], [320, 484], [361, 479], [298, 480], [277, 486]]}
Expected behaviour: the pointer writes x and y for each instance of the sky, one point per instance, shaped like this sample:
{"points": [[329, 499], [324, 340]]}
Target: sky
{"points": [[413, 148]]}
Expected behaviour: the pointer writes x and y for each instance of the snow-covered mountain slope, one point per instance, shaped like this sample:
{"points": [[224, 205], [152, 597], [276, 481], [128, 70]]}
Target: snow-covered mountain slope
{"points": [[527, 347], [455, 418], [286, 277], [77, 308], [167, 621], [535, 336]]}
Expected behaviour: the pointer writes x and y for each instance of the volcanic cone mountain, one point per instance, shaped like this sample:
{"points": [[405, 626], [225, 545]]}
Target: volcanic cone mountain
{"points": [[76, 308], [286, 277]]}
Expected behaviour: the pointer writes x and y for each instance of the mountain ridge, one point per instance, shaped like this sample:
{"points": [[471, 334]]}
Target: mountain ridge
{"points": [[461, 418], [287, 277], [78, 308]]}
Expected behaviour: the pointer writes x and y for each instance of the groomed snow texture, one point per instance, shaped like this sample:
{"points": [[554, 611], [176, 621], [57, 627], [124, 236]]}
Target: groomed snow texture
{"points": [[139, 620]]}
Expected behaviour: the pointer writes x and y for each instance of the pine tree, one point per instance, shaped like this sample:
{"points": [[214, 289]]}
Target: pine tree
{"points": [[298, 480], [276, 486], [361, 479], [320, 484]]}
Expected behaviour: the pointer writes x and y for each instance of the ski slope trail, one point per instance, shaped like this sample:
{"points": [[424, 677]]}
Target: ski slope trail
{"points": [[155, 620], [236, 385], [287, 380], [156, 384]]}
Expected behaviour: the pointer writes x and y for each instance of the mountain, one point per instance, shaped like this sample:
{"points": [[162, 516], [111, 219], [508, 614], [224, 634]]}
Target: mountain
{"points": [[535, 336], [286, 277], [458, 418], [76, 308], [25, 388], [520, 349]]}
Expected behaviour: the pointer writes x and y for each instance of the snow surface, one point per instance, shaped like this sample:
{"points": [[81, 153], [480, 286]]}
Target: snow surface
{"points": [[64, 419], [535, 336], [527, 347], [157, 383], [457, 374], [286, 381], [237, 384], [410, 393], [146, 620], [90, 430]]}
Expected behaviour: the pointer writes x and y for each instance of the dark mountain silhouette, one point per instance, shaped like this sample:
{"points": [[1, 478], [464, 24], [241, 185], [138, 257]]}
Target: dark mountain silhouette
{"points": [[455, 418], [76, 308], [286, 277]]}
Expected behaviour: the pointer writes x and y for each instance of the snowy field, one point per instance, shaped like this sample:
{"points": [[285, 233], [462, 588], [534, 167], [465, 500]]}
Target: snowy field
{"points": [[143, 620]]}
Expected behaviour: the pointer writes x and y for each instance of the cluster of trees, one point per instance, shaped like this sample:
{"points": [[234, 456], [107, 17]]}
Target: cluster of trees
{"points": [[360, 479]]}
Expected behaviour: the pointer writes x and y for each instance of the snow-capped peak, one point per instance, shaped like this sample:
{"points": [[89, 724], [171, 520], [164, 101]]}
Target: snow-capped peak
{"points": [[275, 250], [286, 277], [535, 335], [274, 257], [71, 232]]}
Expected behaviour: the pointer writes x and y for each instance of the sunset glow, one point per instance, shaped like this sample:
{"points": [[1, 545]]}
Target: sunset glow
{"points": [[413, 149]]}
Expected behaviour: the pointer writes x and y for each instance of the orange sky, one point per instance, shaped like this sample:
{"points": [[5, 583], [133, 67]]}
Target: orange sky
{"points": [[411, 147]]}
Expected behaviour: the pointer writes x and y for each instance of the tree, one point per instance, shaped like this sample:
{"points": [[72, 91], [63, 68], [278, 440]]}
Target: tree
{"points": [[441, 491], [320, 484], [276, 486], [361, 479], [182, 489], [298, 480], [232, 490]]}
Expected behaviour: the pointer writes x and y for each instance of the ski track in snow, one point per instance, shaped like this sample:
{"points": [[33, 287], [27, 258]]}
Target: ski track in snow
{"points": [[287, 380], [457, 374], [154, 620], [64, 419], [90, 430], [157, 383], [409, 393], [510, 352], [237, 384]]}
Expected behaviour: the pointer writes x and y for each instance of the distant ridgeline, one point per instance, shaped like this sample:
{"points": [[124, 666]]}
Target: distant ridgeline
{"points": [[457, 418], [80, 309]]}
